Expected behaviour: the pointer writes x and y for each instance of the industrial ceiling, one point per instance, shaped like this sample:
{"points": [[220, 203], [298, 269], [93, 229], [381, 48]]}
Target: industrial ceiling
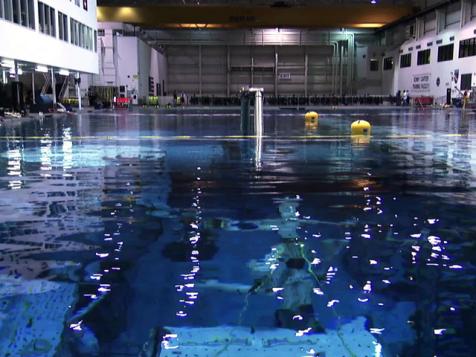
{"points": [[158, 14]]}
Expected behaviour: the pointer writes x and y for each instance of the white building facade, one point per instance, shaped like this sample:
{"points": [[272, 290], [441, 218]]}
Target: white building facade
{"points": [[52, 34], [128, 63], [435, 63], [428, 55]]}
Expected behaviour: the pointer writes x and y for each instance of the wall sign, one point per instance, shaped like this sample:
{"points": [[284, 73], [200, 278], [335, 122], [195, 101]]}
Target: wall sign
{"points": [[421, 82], [284, 76]]}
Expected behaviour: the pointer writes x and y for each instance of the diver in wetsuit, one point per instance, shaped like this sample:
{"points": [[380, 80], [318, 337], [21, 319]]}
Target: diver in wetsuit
{"points": [[287, 269]]}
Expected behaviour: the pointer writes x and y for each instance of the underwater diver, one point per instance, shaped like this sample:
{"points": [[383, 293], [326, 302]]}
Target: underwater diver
{"points": [[287, 270]]}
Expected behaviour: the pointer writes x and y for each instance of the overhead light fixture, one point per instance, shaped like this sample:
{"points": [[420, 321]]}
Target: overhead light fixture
{"points": [[367, 25], [20, 71], [373, 2], [8, 63], [63, 72], [40, 68]]}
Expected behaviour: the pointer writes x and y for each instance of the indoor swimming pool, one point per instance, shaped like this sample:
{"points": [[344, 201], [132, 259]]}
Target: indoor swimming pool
{"points": [[169, 233]]}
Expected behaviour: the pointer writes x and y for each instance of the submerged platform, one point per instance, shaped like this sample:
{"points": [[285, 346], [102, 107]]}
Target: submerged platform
{"points": [[32, 316], [352, 339]]}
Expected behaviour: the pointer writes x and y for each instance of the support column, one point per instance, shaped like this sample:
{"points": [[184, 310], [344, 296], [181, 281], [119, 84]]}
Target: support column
{"points": [[16, 70], [17, 88], [341, 57], [419, 28], [252, 71], [258, 127], [200, 70], [53, 85], [275, 71], [350, 64], [228, 70], [333, 64], [258, 113], [440, 21], [33, 86], [465, 12], [78, 90], [306, 69]]}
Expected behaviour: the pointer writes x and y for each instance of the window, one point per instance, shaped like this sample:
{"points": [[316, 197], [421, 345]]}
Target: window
{"points": [[467, 48], [16, 11], [373, 65], [445, 53], [82, 35], [41, 16], [52, 22], [7, 10], [423, 57], [466, 81], [101, 32], [46, 19], [46, 14], [406, 60], [95, 41], [62, 26], [31, 14], [20, 12], [388, 63], [24, 13]]}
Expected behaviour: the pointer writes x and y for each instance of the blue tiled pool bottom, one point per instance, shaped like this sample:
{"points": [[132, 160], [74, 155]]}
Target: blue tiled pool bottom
{"points": [[171, 234]]}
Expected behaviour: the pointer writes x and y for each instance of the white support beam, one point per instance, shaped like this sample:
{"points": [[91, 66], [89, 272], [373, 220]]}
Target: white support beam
{"points": [[306, 72], [228, 70], [53, 84], [78, 90], [200, 69], [33, 86], [252, 69], [275, 71]]}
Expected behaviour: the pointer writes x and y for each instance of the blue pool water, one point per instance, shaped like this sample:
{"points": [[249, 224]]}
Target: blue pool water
{"points": [[140, 233]]}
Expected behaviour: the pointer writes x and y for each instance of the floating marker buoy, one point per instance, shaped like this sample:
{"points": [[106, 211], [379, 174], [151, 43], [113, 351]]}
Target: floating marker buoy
{"points": [[360, 127], [360, 140], [311, 116]]}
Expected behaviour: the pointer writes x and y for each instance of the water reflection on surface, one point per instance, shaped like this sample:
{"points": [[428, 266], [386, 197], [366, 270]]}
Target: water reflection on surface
{"points": [[141, 228]]}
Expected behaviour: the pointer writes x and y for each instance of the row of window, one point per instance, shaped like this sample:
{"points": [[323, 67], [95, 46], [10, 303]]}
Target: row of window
{"points": [[387, 64], [62, 26], [46, 19], [467, 48], [85, 4], [21, 12], [82, 35]]}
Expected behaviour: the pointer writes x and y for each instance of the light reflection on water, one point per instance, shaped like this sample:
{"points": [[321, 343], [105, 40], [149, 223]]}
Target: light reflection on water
{"points": [[186, 232]]}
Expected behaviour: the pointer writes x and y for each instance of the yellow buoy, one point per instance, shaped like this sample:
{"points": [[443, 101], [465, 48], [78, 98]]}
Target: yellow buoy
{"points": [[311, 126], [360, 140], [360, 127], [311, 116]]}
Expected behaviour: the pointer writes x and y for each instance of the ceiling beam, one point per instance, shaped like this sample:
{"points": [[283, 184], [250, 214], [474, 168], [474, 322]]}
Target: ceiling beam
{"points": [[208, 16]]}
